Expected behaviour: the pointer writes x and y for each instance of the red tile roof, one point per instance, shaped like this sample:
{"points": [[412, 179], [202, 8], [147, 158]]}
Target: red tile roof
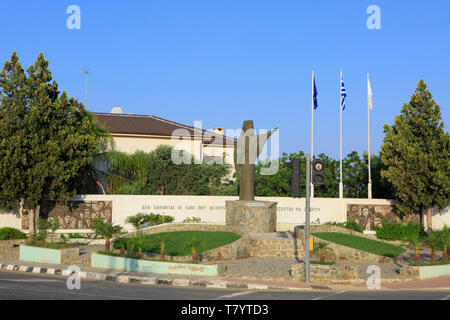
{"points": [[154, 126]]}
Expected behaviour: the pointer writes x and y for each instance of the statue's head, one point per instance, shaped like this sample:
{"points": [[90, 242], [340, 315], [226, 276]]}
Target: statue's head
{"points": [[248, 127]]}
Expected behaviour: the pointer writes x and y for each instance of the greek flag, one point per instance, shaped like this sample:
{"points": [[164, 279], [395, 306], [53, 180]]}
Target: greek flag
{"points": [[343, 93]]}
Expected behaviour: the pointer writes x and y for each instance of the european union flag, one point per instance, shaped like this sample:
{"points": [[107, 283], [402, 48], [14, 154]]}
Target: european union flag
{"points": [[315, 95]]}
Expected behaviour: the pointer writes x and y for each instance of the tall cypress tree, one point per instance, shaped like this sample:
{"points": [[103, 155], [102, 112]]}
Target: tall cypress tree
{"points": [[47, 140], [415, 151]]}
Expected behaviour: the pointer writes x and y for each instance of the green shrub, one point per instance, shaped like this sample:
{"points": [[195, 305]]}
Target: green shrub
{"points": [[7, 233], [155, 219], [398, 231], [323, 262], [350, 224], [192, 220]]}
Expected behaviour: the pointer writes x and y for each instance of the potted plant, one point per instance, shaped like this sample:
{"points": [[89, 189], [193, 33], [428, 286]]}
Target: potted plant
{"points": [[106, 230]]}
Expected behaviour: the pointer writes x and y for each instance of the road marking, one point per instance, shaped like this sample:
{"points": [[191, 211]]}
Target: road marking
{"points": [[446, 298], [72, 293], [333, 294], [32, 280], [237, 294]]}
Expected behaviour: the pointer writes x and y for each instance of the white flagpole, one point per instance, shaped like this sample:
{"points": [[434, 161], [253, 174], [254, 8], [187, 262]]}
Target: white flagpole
{"points": [[312, 129], [341, 185], [369, 186]]}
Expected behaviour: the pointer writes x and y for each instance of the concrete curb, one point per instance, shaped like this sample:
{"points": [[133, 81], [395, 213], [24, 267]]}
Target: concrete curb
{"points": [[163, 281]]}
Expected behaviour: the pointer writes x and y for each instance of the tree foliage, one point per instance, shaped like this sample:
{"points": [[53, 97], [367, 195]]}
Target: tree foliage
{"points": [[156, 173], [47, 140], [355, 176], [415, 152]]}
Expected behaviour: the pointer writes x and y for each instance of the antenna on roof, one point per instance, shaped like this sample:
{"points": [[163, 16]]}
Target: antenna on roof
{"points": [[116, 109], [86, 74]]}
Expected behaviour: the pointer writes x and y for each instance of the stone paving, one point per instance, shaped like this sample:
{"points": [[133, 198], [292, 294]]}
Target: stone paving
{"points": [[279, 269]]}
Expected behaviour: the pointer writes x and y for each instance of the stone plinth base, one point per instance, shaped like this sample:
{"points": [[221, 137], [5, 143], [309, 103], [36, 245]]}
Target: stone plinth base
{"points": [[252, 216]]}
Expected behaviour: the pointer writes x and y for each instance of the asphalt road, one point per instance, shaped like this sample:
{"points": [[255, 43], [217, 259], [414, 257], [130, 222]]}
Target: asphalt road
{"points": [[19, 286]]}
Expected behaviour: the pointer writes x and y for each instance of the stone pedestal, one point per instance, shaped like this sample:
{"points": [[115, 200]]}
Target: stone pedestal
{"points": [[252, 216]]}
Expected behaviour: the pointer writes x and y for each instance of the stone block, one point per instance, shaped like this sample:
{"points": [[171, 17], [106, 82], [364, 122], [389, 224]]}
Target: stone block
{"points": [[11, 267], [180, 282], [37, 270], [217, 284], [24, 268], [252, 216]]}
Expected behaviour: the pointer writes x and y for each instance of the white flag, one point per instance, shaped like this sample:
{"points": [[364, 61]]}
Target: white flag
{"points": [[369, 94]]}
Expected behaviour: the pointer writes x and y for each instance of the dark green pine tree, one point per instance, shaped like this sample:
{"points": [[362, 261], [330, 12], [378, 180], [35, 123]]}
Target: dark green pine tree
{"points": [[415, 151], [47, 140], [14, 133]]}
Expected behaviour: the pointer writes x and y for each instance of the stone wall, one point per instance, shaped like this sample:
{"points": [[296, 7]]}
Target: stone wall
{"points": [[270, 248], [337, 252], [212, 209], [252, 216], [9, 249], [324, 273], [410, 272], [74, 215]]}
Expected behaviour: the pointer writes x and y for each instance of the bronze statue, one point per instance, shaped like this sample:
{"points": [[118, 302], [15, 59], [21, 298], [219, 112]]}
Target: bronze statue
{"points": [[247, 149]]}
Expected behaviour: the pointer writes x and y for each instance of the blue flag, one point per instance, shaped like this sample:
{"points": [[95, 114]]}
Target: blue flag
{"points": [[315, 95], [343, 93]]}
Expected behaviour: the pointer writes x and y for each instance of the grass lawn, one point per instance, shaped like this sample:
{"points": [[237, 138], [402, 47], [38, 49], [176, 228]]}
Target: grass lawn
{"points": [[363, 244], [176, 242]]}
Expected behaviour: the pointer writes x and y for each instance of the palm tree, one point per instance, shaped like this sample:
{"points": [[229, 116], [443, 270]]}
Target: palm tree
{"points": [[413, 239], [322, 246], [140, 242], [162, 245], [194, 245], [137, 220], [434, 242], [106, 230], [445, 238]]}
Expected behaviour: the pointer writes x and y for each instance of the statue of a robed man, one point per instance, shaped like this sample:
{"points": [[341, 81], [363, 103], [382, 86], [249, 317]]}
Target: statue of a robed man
{"points": [[246, 213], [247, 149]]}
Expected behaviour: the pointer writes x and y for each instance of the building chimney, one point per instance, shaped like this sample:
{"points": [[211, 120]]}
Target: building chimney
{"points": [[116, 109], [218, 131]]}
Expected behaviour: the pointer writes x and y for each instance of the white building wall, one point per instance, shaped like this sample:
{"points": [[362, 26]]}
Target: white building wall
{"points": [[211, 209]]}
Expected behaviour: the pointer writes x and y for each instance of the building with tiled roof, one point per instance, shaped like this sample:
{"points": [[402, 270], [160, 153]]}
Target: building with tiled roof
{"points": [[133, 132]]}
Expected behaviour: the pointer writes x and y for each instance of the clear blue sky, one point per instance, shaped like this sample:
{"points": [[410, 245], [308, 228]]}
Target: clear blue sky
{"points": [[223, 62]]}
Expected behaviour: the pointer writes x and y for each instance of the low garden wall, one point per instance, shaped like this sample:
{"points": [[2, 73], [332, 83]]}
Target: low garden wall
{"points": [[55, 256], [37, 254], [425, 272], [238, 249], [9, 249], [324, 273], [140, 265], [341, 253]]}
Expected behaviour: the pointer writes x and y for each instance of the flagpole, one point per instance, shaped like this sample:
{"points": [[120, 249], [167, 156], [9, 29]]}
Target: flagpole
{"points": [[312, 128], [369, 186], [341, 185]]}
